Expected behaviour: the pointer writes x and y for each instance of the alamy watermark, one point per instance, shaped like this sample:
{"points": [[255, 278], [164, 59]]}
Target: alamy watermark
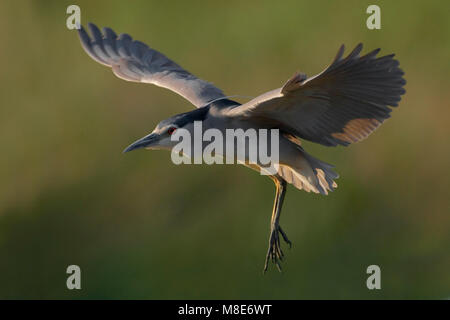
{"points": [[374, 280], [74, 20], [211, 146], [374, 20], [74, 280]]}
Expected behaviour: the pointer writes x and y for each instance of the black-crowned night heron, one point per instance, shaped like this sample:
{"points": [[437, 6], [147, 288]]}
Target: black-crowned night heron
{"points": [[341, 105]]}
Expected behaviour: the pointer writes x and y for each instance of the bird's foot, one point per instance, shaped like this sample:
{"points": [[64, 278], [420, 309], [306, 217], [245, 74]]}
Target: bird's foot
{"points": [[274, 252]]}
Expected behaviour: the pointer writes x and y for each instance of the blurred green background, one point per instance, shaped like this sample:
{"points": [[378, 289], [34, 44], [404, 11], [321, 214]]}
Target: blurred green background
{"points": [[142, 227]]}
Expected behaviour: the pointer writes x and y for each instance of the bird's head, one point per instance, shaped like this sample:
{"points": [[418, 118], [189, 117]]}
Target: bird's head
{"points": [[160, 137]]}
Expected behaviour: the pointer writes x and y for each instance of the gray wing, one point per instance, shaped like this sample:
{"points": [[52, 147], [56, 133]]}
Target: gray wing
{"points": [[135, 61], [341, 105]]}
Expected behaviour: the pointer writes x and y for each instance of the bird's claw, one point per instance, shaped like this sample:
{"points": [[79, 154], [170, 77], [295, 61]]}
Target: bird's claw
{"points": [[274, 252], [285, 238]]}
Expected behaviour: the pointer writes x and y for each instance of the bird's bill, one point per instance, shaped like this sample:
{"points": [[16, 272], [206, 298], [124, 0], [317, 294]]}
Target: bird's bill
{"points": [[144, 142]]}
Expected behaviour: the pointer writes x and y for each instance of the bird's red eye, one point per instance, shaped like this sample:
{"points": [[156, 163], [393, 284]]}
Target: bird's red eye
{"points": [[171, 130]]}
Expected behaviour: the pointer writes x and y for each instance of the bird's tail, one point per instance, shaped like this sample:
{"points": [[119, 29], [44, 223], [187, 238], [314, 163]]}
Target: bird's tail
{"points": [[324, 173], [309, 174]]}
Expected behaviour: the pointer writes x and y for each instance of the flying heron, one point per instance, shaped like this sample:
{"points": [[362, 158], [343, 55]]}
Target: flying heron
{"points": [[341, 105]]}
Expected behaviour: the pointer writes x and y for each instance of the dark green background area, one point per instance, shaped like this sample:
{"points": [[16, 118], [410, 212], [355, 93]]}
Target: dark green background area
{"points": [[141, 227]]}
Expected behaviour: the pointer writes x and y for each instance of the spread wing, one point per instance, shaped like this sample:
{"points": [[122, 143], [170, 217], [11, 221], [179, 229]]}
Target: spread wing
{"points": [[341, 105], [135, 61]]}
